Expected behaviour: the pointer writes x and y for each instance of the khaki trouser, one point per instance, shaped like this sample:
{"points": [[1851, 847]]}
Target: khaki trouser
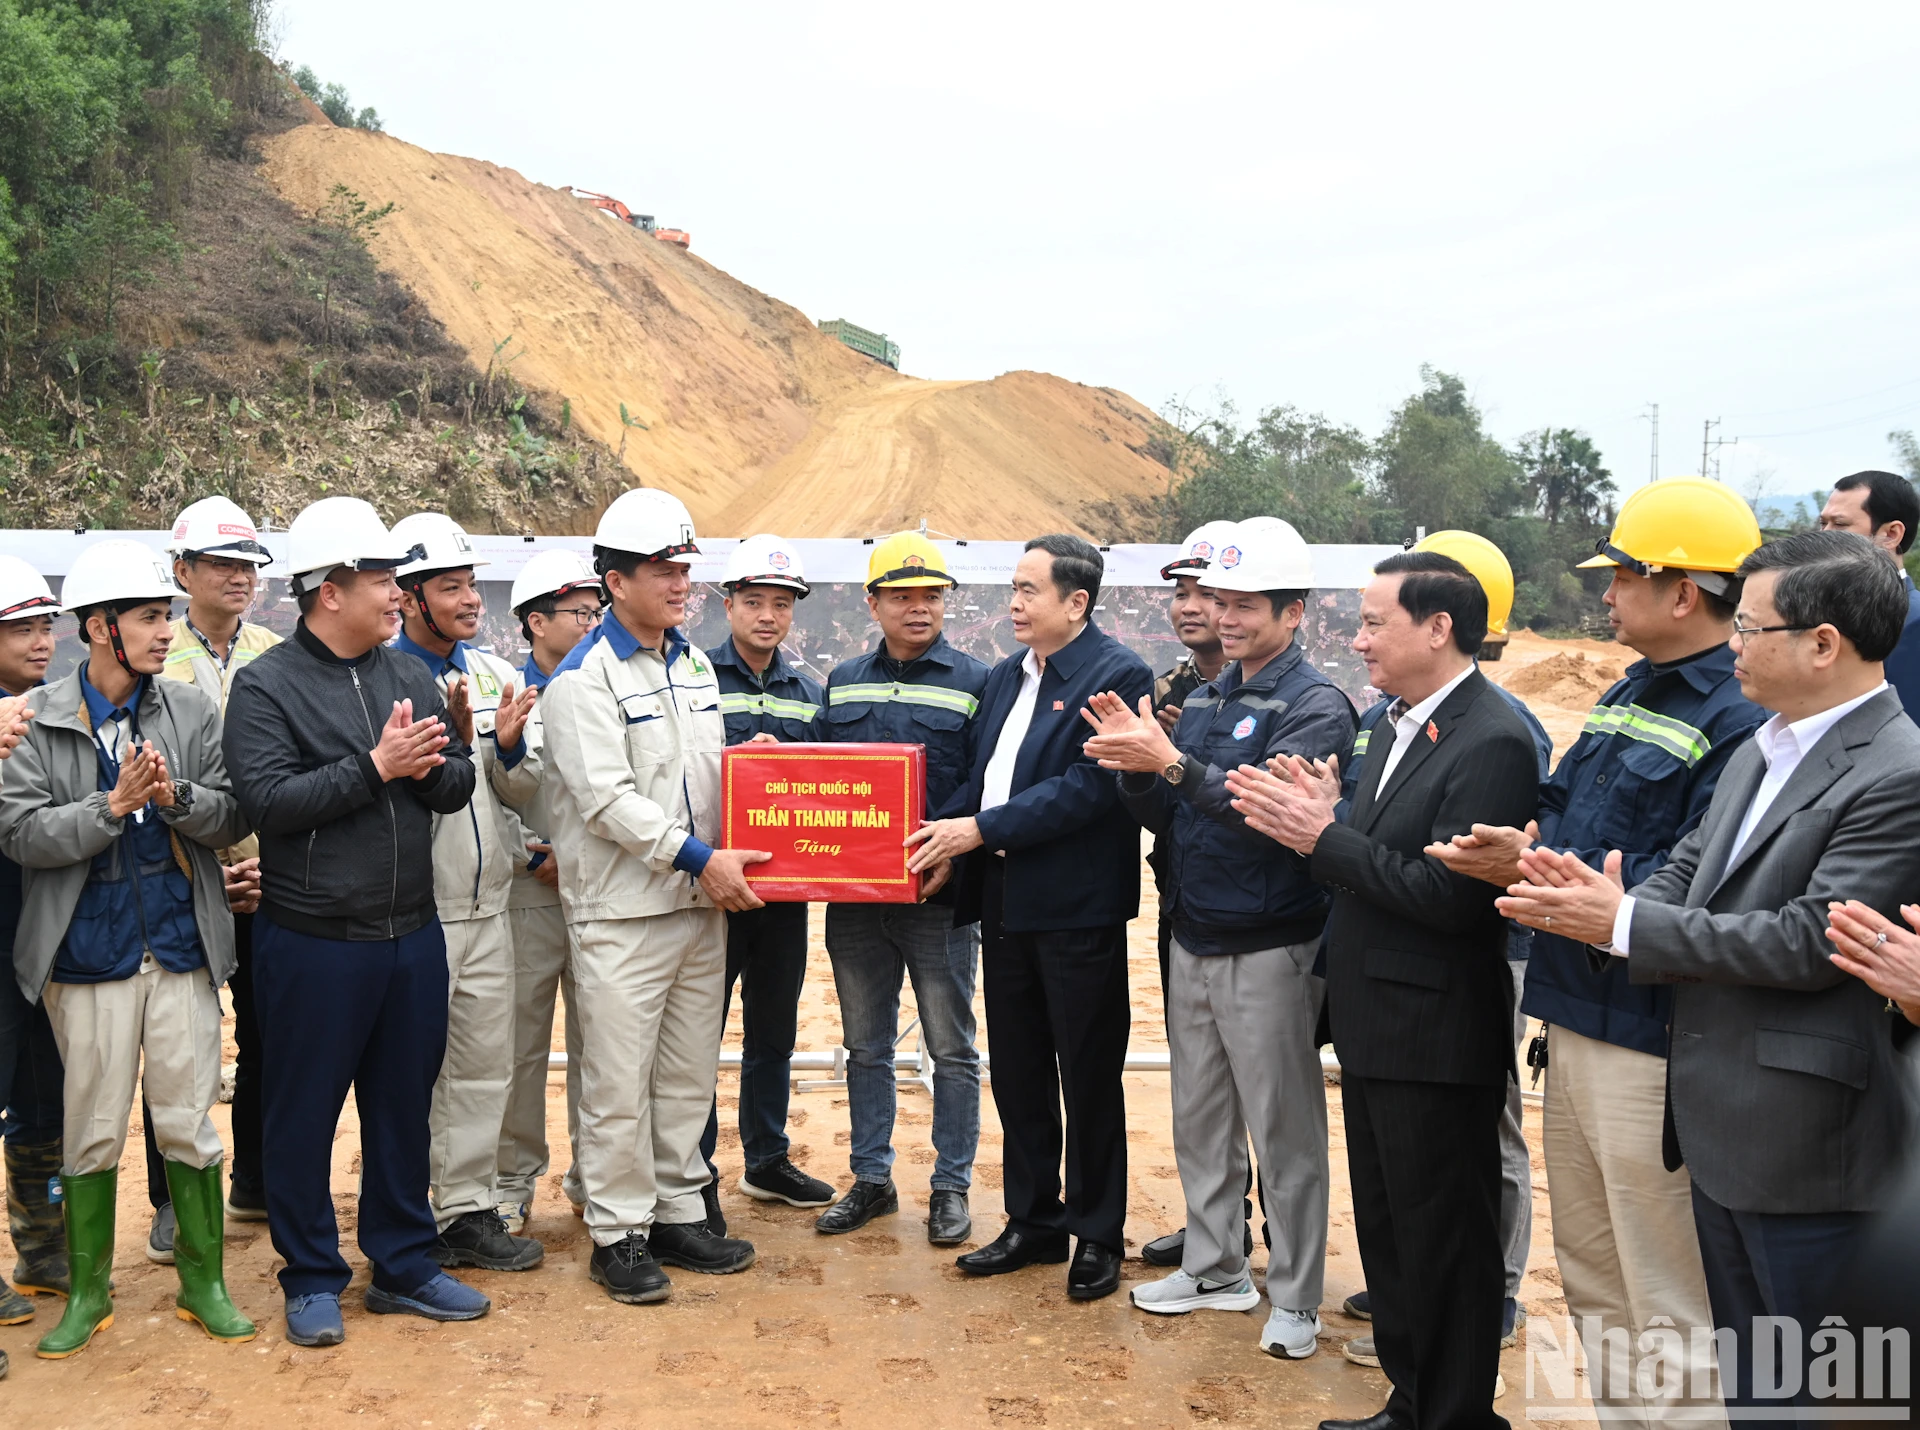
{"points": [[542, 964], [650, 998], [102, 1030], [1622, 1223], [470, 1095]]}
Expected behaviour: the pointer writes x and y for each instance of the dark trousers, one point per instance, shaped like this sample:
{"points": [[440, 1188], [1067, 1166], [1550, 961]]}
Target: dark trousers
{"points": [[767, 954], [244, 1156], [1057, 1025], [32, 1081], [1424, 1160], [372, 1016], [1772, 1264]]}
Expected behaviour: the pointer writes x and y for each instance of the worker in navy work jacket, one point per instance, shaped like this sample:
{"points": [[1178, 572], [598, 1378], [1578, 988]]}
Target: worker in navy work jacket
{"points": [[1055, 880], [1242, 998], [1639, 779], [912, 688], [1489, 566], [1884, 508], [763, 698]]}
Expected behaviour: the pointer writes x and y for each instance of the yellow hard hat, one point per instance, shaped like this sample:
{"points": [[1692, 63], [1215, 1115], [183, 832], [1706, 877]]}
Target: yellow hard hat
{"points": [[1680, 524], [907, 559], [1489, 566]]}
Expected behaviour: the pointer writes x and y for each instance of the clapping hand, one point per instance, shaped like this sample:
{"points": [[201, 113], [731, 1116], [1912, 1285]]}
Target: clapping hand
{"points": [[409, 748], [1292, 800], [510, 720], [460, 710], [14, 716], [1878, 952], [1490, 853], [1124, 740], [143, 778], [1559, 894]]}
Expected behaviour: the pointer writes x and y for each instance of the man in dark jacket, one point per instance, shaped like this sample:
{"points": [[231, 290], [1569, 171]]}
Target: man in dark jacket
{"points": [[342, 782], [1419, 996], [1883, 507], [1242, 997], [1056, 880]]}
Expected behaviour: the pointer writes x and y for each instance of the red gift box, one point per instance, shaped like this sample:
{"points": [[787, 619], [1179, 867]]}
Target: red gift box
{"points": [[834, 817]]}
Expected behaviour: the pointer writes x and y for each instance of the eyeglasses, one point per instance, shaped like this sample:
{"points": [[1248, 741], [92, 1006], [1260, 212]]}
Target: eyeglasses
{"points": [[582, 615], [1745, 631]]}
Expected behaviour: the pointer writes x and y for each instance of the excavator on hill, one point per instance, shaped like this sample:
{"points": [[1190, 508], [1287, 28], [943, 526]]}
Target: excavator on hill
{"points": [[620, 213]]}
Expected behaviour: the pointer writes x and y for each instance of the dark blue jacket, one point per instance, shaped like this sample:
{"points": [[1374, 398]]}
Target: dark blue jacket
{"points": [[779, 701], [1638, 779], [1072, 850], [1232, 890], [930, 701], [1519, 939], [1903, 666]]}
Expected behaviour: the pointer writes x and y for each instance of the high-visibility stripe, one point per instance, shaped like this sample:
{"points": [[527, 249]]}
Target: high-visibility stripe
{"points": [[756, 703], [1663, 732], [938, 696], [1360, 743]]}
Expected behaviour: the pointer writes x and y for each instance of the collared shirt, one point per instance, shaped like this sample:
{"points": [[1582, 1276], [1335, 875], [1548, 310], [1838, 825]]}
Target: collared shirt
{"points": [[536, 678], [1410, 723], [1783, 744], [997, 788], [112, 724], [456, 660]]}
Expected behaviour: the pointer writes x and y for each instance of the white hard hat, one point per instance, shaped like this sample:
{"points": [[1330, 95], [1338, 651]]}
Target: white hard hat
{"points": [[117, 572], [765, 560], [1264, 554], [340, 531], [443, 543], [552, 573], [647, 522], [1197, 550], [214, 526], [23, 591]]}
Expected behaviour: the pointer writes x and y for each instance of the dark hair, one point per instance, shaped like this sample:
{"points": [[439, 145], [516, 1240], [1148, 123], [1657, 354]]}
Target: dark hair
{"points": [[112, 608], [1280, 600], [606, 558], [339, 576], [1436, 583], [1077, 564], [1836, 578], [1721, 608], [546, 605], [1889, 498]]}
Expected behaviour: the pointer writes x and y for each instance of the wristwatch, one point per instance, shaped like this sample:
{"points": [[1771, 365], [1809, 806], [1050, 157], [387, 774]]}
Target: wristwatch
{"points": [[1175, 772], [182, 796]]}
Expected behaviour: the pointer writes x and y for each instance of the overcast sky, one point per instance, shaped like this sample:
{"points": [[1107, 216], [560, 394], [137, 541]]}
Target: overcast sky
{"points": [[1580, 209]]}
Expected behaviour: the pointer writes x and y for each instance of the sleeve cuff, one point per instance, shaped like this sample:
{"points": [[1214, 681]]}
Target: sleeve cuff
{"points": [[1137, 782], [1622, 923], [514, 756], [369, 773], [693, 856]]}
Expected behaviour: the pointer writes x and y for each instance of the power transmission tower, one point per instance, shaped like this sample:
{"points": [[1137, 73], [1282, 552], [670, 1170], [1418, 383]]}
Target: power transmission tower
{"points": [[1653, 463], [1710, 446]]}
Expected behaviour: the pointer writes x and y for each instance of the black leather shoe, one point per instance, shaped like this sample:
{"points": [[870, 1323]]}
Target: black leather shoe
{"points": [[1012, 1250], [862, 1203], [1385, 1420], [948, 1221], [629, 1272], [693, 1245], [1095, 1272]]}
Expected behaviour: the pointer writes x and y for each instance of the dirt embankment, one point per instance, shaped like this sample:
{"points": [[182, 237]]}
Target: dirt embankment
{"points": [[1559, 680], [753, 416]]}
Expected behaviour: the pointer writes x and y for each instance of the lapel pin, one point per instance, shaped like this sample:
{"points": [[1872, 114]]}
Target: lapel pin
{"points": [[1059, 705], [1433, 733]]}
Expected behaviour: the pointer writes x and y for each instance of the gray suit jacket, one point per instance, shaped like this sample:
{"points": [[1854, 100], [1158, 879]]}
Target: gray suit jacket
{"points": [[1782, 1084]]}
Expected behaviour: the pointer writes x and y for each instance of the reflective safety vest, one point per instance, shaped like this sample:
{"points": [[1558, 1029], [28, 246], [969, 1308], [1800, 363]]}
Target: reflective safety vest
{"points": [[778, 701], [930, 701]]}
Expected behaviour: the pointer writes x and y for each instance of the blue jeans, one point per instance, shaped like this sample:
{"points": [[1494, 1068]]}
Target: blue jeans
{"points": [[872, 946], [767, 953]]}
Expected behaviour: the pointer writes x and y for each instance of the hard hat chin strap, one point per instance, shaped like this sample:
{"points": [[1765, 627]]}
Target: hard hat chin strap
{"points": [[418, 587], [119, 648]]}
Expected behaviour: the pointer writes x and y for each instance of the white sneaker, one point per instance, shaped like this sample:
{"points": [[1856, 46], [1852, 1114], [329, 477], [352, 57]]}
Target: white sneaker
{"points": [[514, 1214], [1180, 1293], [1291, 1335]]}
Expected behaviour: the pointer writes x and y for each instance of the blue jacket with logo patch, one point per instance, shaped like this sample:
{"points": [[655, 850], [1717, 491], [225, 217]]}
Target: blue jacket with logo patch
{"points": [[1638, 779], [778, 701], [1234, 890]]}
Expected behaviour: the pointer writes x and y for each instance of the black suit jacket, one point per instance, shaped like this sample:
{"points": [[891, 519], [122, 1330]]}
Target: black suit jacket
{"points": [[1072, 849], [1417, 982]]}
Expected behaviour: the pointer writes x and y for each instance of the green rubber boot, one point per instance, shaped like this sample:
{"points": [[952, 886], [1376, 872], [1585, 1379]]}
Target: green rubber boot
{"points": [[197, 1246], [33, 1217], [88, 1199]]}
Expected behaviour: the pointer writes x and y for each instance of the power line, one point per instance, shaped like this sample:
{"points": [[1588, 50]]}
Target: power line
{"points": [[1837, 402], [1837, 426]]}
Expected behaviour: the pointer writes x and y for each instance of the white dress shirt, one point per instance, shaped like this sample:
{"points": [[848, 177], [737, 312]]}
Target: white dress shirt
{"points": [[997, 784], [1411, 723], [1783, 746]]}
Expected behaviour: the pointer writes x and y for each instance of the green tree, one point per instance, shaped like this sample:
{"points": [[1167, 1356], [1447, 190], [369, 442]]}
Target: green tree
{"points": [[1563, 475], [335, 102], [1907, 450], [1435, 465], [350, 223], [1303, 468]]}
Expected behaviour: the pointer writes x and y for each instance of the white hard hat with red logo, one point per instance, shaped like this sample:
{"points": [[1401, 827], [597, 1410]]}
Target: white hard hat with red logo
{"points": [[1267, 556], [647, 522], [24, 592], [765, 560], [552, 573], [214, 526], [1197, 550]]}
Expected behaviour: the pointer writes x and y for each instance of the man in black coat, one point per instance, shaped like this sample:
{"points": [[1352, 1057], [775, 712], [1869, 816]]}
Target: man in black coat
{"points": [[1419, 997], [1055, 883]]}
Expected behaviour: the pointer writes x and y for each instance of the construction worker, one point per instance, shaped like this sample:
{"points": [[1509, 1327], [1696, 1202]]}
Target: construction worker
{"points": [[1242, 1001], [1489, 566], [912, 688], [344, 751], [30, 1071], [217, 557], [114, 806], [762, 698], [1190, 611], [1638, 779], [634, 732], [556, 597], [474, 856]]}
